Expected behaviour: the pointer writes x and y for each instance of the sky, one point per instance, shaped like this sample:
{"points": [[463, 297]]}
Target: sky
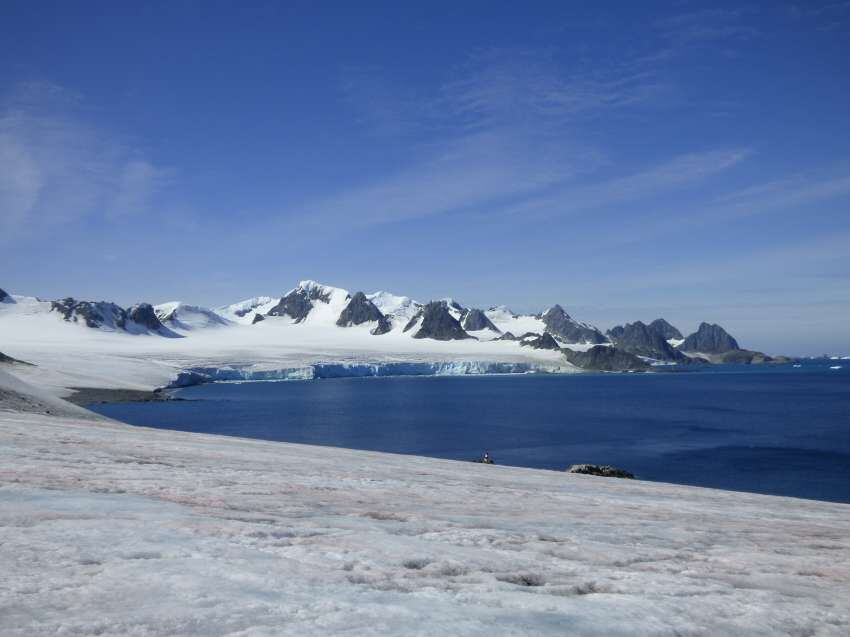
{"points": [[626, 160]]}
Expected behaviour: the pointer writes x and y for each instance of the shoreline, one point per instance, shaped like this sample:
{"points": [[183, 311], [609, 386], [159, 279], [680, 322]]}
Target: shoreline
{"points": [[84, 396]]}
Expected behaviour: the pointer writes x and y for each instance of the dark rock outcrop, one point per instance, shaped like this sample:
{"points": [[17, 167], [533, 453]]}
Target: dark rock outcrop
{"points": [[257, 318], [475, 320], [746, 357], [560, 324], [143, 314], [94, 314], [507, 336], [9, 360], [541, 341], [603, 470], [605, 358], [641, 340], [665, 329], [435, 321], [709, 339], [361, 310], [615, 332], [102, 314], [3, 295], [298, 303]]}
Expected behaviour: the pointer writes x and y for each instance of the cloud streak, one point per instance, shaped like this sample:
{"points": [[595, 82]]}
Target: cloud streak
{"points": [[55, 168]]}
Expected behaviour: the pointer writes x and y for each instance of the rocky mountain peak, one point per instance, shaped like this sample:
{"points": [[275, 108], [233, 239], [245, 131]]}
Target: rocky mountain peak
{"points": [[710, 338], [475, 320], [561, 325], [435, 321], [361, 310], [640, 339], [665, 329]]}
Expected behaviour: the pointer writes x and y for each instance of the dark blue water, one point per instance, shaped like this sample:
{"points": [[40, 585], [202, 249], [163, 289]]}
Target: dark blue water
{"points": [[778, 430]]}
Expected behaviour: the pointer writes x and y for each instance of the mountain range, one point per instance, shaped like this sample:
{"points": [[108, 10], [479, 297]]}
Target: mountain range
{"points": [[632, 346]]}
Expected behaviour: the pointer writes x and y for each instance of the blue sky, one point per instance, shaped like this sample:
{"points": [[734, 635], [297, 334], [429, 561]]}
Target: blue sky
{"points": [[628, 160]]}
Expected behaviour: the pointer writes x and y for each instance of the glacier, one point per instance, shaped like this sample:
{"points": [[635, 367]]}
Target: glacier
{"points": [[199, 375]]}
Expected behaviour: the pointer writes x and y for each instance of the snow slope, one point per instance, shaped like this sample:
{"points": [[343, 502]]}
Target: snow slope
{"points": [[183, 317], [398, 309], [114, 530]]}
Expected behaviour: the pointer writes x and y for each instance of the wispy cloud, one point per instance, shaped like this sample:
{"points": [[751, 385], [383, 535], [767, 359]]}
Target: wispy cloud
{"points": [[487, 167], [664, 177], [55, 168], [498, 86], [796, 191], [706, 25], [504, 126]]}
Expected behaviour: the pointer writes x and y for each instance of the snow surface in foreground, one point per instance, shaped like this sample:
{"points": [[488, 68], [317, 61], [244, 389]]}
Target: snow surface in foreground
{"points": [[111, 529]]}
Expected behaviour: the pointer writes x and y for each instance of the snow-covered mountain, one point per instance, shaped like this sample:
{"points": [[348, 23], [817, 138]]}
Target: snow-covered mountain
{"points": [[183, 317], [314, 320], [138, 319], [398, 309], [245, 311]]}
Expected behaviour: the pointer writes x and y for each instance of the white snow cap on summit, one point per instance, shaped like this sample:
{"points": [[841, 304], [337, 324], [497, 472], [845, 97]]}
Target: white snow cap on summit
{"points": [[244, 311], [182, 316], [399, 309]]}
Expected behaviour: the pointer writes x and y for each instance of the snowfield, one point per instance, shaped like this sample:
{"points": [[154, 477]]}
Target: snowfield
{"points": [[70, 354], [116, 530]]}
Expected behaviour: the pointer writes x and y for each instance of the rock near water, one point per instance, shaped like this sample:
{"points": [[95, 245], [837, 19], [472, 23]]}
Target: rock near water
{"points": [[603, 470], [642, 340], [604, 358]]}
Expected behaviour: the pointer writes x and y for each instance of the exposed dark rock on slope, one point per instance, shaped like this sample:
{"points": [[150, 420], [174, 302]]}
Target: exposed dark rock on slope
{"points": [[3, 295], [541, 341], [102, 314], [560, 324], [605, 358], [709, 339], [9, 360], [143, 314], [665, 329], [298, 303], [507, 336], [435, 321], [361, 310], [94, 314], [604, 470], [257, 318], [615, 332], [475, 320], [641, 340]]}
